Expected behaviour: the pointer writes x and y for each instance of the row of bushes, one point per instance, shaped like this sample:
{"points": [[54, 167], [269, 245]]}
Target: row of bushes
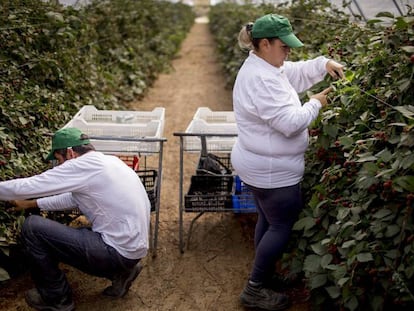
{"points": [[55, 59], [354, 240]]}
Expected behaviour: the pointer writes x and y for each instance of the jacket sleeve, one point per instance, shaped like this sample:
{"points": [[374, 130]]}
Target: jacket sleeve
{"points": [[58, 202], [304, 74], [281, 109], [60, 179]]}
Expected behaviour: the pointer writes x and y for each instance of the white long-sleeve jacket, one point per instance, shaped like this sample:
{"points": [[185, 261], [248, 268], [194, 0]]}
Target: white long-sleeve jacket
{"points": [[106, 190], [272, 122]]}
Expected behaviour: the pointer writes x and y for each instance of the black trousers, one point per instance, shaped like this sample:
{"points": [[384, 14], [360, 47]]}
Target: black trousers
{"points": [[48, 243], [278, 209]]}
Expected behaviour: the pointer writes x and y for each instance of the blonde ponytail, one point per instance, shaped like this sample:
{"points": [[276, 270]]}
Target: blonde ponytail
{"points": [[245, 37]]}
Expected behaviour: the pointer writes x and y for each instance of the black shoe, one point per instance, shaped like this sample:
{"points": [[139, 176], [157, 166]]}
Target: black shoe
{"points": [[122, 282], [263, 298], [35, 301]]}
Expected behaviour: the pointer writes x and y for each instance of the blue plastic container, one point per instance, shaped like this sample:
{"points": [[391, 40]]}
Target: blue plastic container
{"points": [[243, 201]]}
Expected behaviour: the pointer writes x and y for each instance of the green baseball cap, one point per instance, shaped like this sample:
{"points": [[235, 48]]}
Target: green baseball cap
{"points": [[65, 138], [275, 26]]}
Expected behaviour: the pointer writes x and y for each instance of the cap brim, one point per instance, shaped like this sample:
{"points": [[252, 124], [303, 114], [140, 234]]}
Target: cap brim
{"points": [[51, 156], [291, 41]]}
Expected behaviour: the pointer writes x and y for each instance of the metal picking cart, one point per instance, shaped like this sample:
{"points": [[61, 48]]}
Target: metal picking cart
{"points": [[132, 136], [210, 132]]}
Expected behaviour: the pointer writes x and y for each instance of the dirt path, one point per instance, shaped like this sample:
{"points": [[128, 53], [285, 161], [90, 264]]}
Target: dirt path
{"points": [[211, 274]]}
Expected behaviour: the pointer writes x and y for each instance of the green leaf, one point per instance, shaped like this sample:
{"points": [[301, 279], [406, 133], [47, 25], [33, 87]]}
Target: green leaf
{"points": [[333, 230], [55, 16], [4, 275], [6, 249], [382, 213], [339, 272], [385, 14], [398, 124], [407, 19], [385, 155], [331, 130], [304, 223], [364, 257], [364, 116], [321, 203], [408, 161], [392, 230], [343, 213], [404, 84], [392, 254], [371, 168], [342, 281], [360, 235], [365, 182], [348, 244], [324, 141], [326, 260], [23, 120], [375, 21], [409, 271], [407, 111], [366, 157], [405, 182], [318, 281], [352, 303], [387, 173], [312, 263], [408, 49], [377, 303], [346, 141], [333, 291], [318, 249]]}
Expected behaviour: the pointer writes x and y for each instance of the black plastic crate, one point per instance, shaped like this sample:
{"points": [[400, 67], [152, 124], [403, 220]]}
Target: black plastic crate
{"points": [[209, 193], [149, 180]]}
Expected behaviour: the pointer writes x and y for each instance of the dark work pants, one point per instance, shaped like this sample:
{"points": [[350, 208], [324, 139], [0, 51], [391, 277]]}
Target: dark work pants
{"points": [[48, 243], [278, 209]]}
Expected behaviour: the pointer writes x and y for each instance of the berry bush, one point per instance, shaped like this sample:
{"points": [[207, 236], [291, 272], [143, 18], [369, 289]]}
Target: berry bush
{"points": [[354, 241]]}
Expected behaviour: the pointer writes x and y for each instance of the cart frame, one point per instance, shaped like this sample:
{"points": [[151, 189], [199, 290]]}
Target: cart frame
{"points": [[203, 152]]}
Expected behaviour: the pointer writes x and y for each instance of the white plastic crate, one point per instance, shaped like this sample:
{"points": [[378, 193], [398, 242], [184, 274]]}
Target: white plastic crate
{"points": [[132, 132], [90, 114], [214, 143], [208, 115]]}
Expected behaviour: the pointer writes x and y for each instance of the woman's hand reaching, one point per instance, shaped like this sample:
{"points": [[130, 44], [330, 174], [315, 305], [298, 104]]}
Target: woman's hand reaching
{"points": [[322, 96], [335, 69]]}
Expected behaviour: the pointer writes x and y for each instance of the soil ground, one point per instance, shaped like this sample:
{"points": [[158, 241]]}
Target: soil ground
{"points": [[212, 272]]}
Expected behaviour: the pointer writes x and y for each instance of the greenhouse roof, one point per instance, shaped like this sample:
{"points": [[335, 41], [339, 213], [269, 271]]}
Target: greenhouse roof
{"points": [[365, 9]]}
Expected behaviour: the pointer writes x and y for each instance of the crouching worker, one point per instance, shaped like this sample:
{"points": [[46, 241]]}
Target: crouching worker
{"points": [[108, 193]]}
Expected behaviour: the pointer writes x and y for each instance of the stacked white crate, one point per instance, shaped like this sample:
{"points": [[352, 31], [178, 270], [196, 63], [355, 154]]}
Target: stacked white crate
{"points": [[206, 121], [208, 115], [121, 132]]}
